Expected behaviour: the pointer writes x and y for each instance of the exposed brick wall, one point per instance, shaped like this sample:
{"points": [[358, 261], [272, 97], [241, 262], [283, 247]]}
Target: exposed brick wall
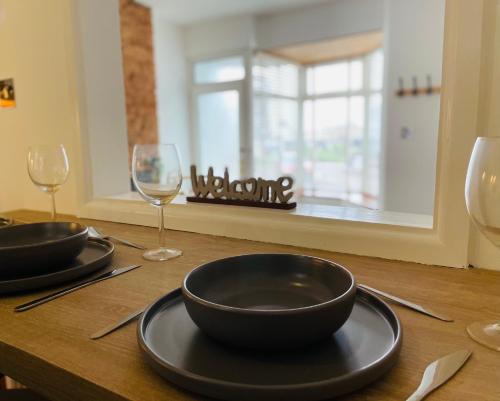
{"points": [[139, 73]]}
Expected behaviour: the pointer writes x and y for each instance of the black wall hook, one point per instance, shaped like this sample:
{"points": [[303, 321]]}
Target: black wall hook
{"points": [[429, 84], [401, 90], [414, 92]]}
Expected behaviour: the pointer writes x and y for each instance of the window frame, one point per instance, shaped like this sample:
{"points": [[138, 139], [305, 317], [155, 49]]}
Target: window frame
{"points": [[383, 234]]}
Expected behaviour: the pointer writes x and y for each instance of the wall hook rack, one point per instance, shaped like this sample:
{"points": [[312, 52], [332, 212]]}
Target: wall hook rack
{"points": [[415, 90]]}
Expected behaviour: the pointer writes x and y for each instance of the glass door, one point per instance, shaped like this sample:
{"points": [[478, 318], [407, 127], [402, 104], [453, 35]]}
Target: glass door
{"points": [[218, 129]]}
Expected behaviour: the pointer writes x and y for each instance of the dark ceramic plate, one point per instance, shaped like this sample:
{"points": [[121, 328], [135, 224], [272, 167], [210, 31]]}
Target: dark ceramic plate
{"points": [[5, 222], [269, 301], [364, 349], [34, 249], [95, 255]]}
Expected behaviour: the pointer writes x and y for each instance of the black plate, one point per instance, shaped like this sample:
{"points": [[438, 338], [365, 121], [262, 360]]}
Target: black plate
{"points": [[365, 348], [269, 301], [96, 254], [33, 249]]}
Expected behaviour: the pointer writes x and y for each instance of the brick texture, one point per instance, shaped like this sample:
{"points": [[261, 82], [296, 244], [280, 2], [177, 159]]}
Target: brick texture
{"points": [[139, 73]]}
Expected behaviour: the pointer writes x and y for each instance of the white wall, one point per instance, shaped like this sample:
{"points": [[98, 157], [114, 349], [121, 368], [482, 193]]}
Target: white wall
{"points": [[33, 52], [413, 38], [319, 22], [220, 36], [313, 23], [171, 86], [102, 95], [41, 52]]}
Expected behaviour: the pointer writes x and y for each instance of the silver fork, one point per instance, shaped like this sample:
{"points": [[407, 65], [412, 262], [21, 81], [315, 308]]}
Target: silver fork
{"points": [[95, 233]]}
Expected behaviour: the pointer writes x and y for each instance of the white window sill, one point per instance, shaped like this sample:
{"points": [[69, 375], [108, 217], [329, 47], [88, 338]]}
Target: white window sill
{"points": [[351, 230], [304, 210]]}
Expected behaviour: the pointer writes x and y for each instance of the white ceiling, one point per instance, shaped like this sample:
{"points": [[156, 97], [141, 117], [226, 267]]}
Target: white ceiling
{"points": [[190, 11]]}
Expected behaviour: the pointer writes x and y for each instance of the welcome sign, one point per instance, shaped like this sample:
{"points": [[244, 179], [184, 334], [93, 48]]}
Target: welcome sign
{"points": [[256, 192]]}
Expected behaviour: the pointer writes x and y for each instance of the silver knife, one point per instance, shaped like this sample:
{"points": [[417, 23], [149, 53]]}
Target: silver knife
{"points": [[439, 372], [50, 297], [408, 304], [112, 327]]}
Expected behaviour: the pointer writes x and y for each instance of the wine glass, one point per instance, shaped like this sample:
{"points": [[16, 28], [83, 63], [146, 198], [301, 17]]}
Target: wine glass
{"points": [[156, 172], [48, 168], [482, 196]]}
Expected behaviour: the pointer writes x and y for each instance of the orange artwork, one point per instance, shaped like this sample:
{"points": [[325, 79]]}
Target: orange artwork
{"points": [[7, 97]]}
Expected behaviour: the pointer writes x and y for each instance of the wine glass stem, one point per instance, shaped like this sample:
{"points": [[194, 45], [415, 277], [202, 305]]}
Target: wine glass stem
{"points": [[53, 198], [161, 228]]}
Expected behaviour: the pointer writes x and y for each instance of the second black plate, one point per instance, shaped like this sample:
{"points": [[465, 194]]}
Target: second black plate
{"points": [[365, 348], [96, 255]]}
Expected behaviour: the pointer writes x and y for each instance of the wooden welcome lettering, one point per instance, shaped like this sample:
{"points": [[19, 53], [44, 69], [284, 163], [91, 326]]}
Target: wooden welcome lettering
{"points": [[249, 192]]}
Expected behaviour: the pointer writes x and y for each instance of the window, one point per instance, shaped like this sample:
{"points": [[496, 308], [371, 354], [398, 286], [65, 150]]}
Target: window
{"points": [[321, 124], [276, 108], [342, 126]]}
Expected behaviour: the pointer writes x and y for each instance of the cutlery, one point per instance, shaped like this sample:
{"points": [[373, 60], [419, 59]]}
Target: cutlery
{"points": [[439, 372], [112, 327], [408, 304], [94, 232], [57, 294], [5, 221]]}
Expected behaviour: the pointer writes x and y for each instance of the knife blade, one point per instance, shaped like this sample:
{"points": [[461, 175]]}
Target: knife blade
{"points": [[439, 372], [58, 294], [408, 304], [114, 326]]}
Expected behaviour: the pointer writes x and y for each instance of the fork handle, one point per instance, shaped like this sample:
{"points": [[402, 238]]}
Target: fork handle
{"points": [[125, 242]]}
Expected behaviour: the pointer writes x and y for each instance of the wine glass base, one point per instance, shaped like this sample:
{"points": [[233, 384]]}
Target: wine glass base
{"points": [[486, 333], [161, 254]]}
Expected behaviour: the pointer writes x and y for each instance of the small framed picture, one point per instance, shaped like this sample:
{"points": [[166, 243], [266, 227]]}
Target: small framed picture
{"points": [[7, 95]]}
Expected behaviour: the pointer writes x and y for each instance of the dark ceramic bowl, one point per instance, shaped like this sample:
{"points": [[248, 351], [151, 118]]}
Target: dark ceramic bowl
{"points": [[269, 301], [38, 248]]}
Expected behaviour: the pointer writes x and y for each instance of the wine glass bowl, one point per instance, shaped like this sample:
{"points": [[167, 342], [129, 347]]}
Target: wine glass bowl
{"points": [[48, 169], [482, 196], [157, 176]]}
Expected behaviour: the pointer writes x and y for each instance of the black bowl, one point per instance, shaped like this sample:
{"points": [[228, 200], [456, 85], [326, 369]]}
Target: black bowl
{"points": [[38, 248], [269, 301]]}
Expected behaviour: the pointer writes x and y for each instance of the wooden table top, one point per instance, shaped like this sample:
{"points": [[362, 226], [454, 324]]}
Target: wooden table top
{"points": [[48, 348]]}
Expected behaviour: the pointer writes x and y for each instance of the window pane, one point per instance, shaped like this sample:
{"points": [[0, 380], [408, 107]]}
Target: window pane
{"points": [[219, 132], [275, 76], [328, 78], [330, 117], [275, 146], [356, 75], [325, 125], [219, 70]]}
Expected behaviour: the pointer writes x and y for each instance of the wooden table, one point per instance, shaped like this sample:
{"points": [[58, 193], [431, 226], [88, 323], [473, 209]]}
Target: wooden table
{"points": [[48, 348]]}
